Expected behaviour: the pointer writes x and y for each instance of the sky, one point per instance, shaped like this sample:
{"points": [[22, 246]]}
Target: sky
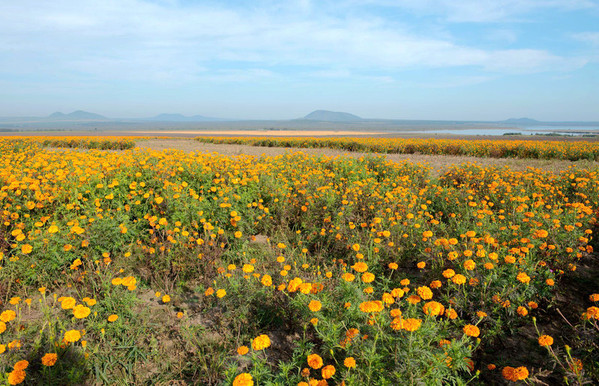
{"points": [[263, 59]]}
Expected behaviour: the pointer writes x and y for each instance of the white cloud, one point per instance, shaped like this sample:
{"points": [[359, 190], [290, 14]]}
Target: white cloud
{"points": [[158, 42]]}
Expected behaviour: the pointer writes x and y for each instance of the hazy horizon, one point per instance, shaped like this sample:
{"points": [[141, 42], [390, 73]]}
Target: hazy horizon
{"points": [[467, 60]]}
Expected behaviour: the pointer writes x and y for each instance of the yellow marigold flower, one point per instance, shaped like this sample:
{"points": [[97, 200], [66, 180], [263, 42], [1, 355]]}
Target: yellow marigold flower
{"points": [[360, 266], [355, 247], [545, 340], [14, 300], [167, 298], [2, 327], [424, 292], [49, 359], [471, 330], [53, 229], [315, 306], [117, 281], [26, 249], [305, 288], [72, 336], [433, 308], [7, 316], [261, 342], [367, 277], [80, 311], [248, 268], [129, 281], [349, 362], [219, 294], [328, 371], [315, 361], [243, 379], [68, 303], [113, 318], [459, 279], [266, 280], [242, 350]]}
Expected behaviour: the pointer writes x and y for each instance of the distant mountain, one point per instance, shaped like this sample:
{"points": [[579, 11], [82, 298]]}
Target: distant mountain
{"points": [[182, 118], [331, 116], [521, 121], [78, 115]]}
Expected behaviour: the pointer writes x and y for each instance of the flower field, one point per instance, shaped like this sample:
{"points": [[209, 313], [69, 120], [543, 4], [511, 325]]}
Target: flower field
{"points": [[572, 151], [146, 267]]}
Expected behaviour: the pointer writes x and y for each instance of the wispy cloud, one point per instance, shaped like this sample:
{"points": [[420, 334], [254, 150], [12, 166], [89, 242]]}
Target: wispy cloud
{"points": [[133, 39]]}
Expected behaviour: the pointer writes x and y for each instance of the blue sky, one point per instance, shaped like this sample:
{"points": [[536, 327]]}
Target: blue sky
{"points": [[262, 59]]}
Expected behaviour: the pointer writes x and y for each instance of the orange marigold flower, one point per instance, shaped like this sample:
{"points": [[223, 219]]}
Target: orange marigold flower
{"points": [[315, 361], [421, 264], [523, 278], [243, 379], [424, 292], [448, 273], [367, 277], [349, 362], [315, 305], [328, 371], [433, 308], [49, 359], [471, 330], [360, 266], [261, 342], [371, 306], [411, 324], [21, 365], [113, 318], [594, 297], [167, 298], [545, 340], [469, 265], [16, 377], [592, 313], [522, 311], [266, 280], [393, 266], [242, 350], [459, 279]]}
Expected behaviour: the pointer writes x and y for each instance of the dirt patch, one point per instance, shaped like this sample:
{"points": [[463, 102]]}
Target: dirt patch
{"points": [[439, 163]]}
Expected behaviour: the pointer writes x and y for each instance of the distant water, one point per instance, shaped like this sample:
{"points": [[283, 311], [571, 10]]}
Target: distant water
{"points": [[575, 131]]}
